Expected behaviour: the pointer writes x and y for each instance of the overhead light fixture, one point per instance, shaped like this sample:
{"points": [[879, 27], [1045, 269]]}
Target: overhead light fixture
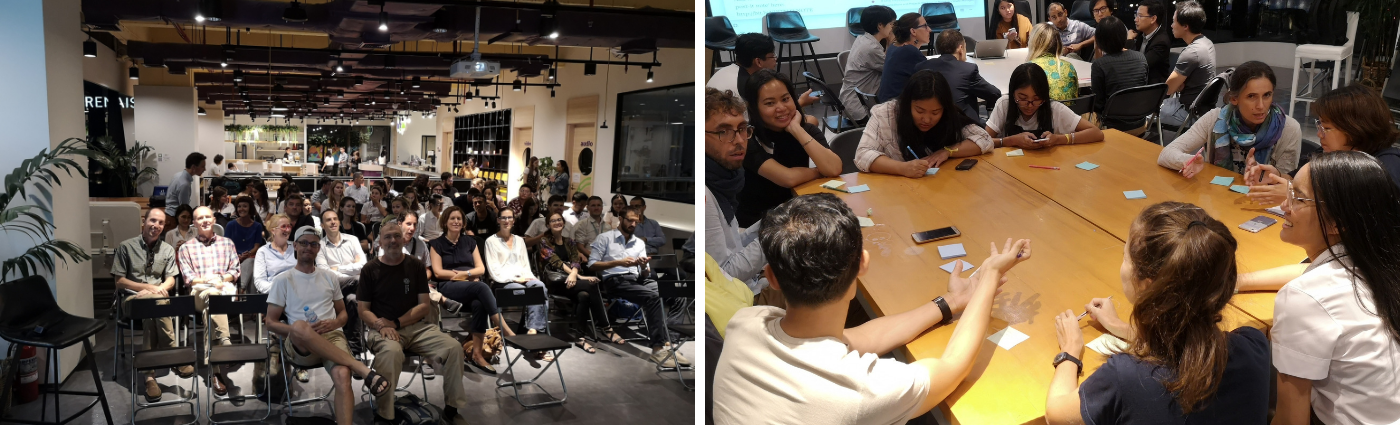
{"points": [[279, 106], [590, 68], [135, 73], [359, 81], [90, 48], [340, 94], [515, 86], [441, 21], [605, 124], [383, 19], [552, 70], [551, 92], [390, 62], [339, 66], [548, 27], [208, 10], [223, 63], [202, 112], [237, 75], [417, 81], [649, 75], [294, 13]]}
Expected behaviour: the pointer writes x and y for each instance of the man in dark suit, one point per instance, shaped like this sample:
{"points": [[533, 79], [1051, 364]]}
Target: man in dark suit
{"points": [[967, 84], [1153, 41]]}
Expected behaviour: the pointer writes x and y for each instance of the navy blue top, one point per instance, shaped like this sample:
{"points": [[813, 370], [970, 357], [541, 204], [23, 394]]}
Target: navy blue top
{"points": [[900, 63], [244, 238], [1127, 390], [1390, 160]]}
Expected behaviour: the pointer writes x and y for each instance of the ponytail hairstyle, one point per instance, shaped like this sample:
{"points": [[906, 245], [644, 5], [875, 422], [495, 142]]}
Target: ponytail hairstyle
{"points": [[1355, 195], [1044, 40], [1184, 268], [904, 27], [1029, 74], [923, 85]]}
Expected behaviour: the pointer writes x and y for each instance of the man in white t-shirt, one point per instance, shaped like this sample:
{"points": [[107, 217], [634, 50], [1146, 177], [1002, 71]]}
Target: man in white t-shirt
{"points": [[800, 366], [315, 309]]}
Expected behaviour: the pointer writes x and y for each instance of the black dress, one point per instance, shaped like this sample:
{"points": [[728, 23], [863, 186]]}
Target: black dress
{"points": [[474, 294], [760, 194]]}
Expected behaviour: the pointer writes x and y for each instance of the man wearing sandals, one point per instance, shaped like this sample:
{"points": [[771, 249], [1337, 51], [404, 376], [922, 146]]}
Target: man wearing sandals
{"points": [[315, 309], [394, 323]]}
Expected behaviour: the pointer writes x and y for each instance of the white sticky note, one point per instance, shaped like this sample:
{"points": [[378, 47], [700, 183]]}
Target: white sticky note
{"points": [[951, 251], [949, 267], [1008, 337], [931, 172], [1107, 344], [1017, 152], [865, 222]]}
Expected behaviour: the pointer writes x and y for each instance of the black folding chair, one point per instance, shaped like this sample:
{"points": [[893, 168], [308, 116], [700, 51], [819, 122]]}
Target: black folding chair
{"points": [[844, 145], [1080, 105], [673, 289], [163, 358], [527, 343], [841, 121], [248, 352], [1205, 101], [416, 360], [1134, 103], [29, 315]]}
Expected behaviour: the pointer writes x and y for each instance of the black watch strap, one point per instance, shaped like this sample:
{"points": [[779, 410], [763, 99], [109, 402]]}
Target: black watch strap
{"points": [[943, 307], [396, 323], [1064, 356]]}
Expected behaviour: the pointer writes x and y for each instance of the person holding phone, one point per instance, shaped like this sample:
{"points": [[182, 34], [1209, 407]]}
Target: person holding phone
{"points": [[1036, 122], [1009, 25], [919, 130]]}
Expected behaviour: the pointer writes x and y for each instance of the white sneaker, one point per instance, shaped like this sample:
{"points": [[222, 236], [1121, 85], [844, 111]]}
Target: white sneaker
{"points": [[663, 358]]}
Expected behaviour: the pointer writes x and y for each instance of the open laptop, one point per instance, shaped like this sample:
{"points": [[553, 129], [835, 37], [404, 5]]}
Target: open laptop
{"points": [[991, 49]]}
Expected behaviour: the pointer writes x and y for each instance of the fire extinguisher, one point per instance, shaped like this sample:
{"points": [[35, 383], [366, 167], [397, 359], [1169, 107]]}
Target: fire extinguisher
{"points": [[27, 382]]}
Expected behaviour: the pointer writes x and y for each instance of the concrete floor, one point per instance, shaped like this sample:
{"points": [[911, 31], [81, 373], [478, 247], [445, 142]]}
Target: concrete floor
{"points": [[615, 385]]}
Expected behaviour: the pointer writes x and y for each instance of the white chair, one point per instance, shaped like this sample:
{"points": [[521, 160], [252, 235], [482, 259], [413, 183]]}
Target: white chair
{"points": [[1339, 55]]}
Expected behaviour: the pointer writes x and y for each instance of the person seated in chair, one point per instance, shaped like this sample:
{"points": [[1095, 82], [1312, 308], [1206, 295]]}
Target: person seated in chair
{"points": [[315, 309], [393, 304], [509, 264], [920, 130], [145, 268], [1076, 37], [539, 227], [866, 61], [966, 83], [209, 263], [457, 269], [1117, 69], [592, 224], [902, 58], [1195, 66], [1028, 119], [1151, 41], [753, 52], [1009, 25], [781, 148], [1249, 131], [620, 259]]}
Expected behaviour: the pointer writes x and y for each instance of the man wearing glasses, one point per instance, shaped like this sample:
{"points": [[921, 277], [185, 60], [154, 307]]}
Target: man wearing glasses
{"points": [[752, 52], [735, 249], [145, 268], [620, 258], [1154, 43]]}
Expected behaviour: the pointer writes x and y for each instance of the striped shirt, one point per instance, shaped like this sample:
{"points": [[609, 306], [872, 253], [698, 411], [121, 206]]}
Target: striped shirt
{"points": [[216, 256]]}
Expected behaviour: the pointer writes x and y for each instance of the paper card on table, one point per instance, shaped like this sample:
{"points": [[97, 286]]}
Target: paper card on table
{"points": [[1240, 189], [1008, 337], [1135, 194], [1108, 345], [931, 172], [865, 222], [1086, 166], [858, 189], [949, 267], [952, 251], [1222, 180], [834, 184], [1017, 152]]}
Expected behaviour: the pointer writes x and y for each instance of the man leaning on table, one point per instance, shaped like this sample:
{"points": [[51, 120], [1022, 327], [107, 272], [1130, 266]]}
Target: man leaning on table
{"points": [[799, 366], [736, 249]]}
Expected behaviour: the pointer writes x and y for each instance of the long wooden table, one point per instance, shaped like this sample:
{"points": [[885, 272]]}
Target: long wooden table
{"points": [[1073, 262]]}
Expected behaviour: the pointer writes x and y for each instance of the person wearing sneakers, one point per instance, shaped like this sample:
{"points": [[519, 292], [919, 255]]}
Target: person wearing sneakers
{"points": [[620, 258], [145, 268], [315, 311]]}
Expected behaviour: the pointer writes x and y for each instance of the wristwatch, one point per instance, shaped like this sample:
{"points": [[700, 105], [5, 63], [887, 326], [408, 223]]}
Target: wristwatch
{"points": [[943, 307], [397, 325], [1063, 356]]}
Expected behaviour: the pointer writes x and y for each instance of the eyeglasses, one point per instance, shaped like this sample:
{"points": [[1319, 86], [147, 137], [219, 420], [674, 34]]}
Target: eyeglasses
{"points": [[1101, 10], [1030, 103], [557, 220], [504, 218], [1293, 196], [305, 244], [284, 226], [728, 134], [924, 26], [1320, 129], [1139, 15]]}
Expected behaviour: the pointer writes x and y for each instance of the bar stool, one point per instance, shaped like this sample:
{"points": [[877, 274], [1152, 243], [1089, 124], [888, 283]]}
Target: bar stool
{"points": [[1339, 55], [853, 23], [720, 37], [29, 315], [787, 28]]}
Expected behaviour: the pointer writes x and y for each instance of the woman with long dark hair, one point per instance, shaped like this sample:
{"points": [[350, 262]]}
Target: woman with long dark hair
{"points": [[350, 222], [1005, 23], [611, 219], [529, 211], [1178, 272], [1251, 130], [557, 256], [919, 130], [1337, 318], [1035, 121], [559, 182], [781, 147]]}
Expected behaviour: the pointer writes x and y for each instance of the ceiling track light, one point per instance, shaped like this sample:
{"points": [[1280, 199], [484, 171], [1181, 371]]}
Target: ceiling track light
{"points": [[383, 19], [590, 69], [552, 72], [202, 112], [134, 73], [417, 81], [649, 75], [90, 48], [515, 86], [339, 66], [237, 75], [208, 10]]}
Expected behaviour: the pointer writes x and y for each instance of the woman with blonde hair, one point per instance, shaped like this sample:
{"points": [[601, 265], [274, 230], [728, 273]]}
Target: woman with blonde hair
{"points": [[1045, 51]]}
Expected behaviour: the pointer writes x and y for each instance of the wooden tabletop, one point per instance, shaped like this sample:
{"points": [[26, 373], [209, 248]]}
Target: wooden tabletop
{"points": [[1129, 163], [1073, 261]]}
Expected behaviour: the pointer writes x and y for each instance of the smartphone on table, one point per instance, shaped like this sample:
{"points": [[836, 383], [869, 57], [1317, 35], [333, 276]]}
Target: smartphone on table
{"points": [[966, 164], [937, 234]]}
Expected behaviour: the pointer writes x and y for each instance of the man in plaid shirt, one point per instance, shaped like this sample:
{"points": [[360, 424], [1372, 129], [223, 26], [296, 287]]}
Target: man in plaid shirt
{"points": [[210, 267]]}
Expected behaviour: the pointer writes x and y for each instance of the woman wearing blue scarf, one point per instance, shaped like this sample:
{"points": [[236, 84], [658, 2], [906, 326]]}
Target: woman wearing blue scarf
{"points": [[1250, 130]]}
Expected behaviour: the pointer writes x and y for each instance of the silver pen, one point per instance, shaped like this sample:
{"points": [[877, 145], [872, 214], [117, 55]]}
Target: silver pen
{"points": [[1086, 311]]}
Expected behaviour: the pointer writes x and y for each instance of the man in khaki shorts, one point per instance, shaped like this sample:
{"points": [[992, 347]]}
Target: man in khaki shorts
{"points": [[315, 308]]}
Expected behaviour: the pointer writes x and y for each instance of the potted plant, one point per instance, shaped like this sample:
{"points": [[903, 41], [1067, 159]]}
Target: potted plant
{"points": [[126, 169], [35, 220]]}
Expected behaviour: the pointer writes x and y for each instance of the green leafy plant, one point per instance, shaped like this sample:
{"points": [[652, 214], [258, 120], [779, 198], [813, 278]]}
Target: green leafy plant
{"points": [[126, 169], [35, 220]]}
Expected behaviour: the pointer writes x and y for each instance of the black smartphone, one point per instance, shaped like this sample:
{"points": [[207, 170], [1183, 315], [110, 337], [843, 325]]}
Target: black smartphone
{"points": [[966, 164], [937, 234]]}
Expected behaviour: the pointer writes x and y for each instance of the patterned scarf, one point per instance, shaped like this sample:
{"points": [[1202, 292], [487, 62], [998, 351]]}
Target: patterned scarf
{"points": [[1229, 129]]}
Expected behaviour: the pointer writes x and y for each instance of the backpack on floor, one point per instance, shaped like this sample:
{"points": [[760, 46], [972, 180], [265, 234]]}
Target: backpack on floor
{"points": [[622, 310], [411, 410]]}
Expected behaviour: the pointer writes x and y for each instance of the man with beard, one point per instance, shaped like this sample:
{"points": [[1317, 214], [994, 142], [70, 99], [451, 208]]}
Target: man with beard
{"points": [[620, 258], [735, 249]]}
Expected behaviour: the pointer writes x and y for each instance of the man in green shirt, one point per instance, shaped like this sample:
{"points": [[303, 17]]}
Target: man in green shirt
{"points": [[145, 267]]}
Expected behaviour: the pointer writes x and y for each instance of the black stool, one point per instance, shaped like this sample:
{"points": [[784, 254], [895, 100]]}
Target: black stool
{"points": [[787, 28], [719, 37], [30, 316]]}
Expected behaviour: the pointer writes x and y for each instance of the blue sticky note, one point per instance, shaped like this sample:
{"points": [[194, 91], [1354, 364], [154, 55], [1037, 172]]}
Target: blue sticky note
{"points": [[952, 251], [931, 172], [1086, 166], [1240, 189], [1222, 180], [857, 189], [1135, 194]]}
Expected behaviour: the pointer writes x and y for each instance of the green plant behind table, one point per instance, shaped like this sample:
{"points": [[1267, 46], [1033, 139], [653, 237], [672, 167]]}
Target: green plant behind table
{"points": [[36, 220], [1376, 28], [125, 169], [263, 132]]}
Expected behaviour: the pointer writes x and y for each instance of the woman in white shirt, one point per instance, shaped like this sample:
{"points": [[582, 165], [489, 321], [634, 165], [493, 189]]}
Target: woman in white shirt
{"points": [[184, 217], [429, 218], [1337, 319], [374, 210], [919, 130], [1036, 121], [508, 263], [275, 257]]}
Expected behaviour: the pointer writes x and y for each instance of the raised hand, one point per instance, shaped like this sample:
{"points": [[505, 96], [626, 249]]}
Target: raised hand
{"points": [[1009, 256]]}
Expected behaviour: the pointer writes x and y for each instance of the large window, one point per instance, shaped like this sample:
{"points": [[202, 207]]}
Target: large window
{"points": [[654, 155]]}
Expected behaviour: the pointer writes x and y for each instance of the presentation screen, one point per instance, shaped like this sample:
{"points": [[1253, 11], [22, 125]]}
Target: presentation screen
{"points": [[747, 15]]}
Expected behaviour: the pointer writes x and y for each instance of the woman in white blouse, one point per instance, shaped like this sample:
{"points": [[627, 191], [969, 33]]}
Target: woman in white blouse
{"points": [[508, 263], [275, 257], [1027, 118], [1337, 319], [919, 130]]}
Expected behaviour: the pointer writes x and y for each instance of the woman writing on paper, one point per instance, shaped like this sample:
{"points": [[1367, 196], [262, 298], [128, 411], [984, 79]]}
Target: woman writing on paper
{"points": [[1250, 130], [1178, 272], [1029, 119], [916, 132], [781, 147]]}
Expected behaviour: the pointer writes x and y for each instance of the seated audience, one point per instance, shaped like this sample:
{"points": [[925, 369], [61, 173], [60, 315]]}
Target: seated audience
{"points": [[1151, 41], [414, 246], [648, 230], [800, 366], [577, 209], [1036, 122], [209, 265], [333, 198], [315, 311], [1008, 25], [1076, 38], [518, 204], [590, 225], [539, 227], [781, 147], [620, 259], [374, 210], [1251, 130], [902, 58], [457, 268], [866, 61], [357, 188], [184, 226], [1044, 51], [219, 202], [1179, 273], [340, 252], [245, 232], [298, 211], [144, 267], [509, 264], [448, 189], [736, 249], [919, 130], [753, 52], [1195, 66], [1116, 69], [429, 218], [275, 257], [481, 220], [616, 204], [529, 211], [350, 222], [967, 84], [558, 259]]}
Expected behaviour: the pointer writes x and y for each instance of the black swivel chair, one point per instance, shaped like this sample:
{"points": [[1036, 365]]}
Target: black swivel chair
{"points": [[720, 37], [1080, 105], [1205, 101], [844, 145], [939, 17], [788, 29], [163, 358], [29, 315], [526, 343], [853, 21], [1135, 103], [245, 352], [672, 289], [841, 121]]}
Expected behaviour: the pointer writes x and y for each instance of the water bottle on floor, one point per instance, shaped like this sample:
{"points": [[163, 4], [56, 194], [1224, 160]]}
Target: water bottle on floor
{"points": [[310, 315]]}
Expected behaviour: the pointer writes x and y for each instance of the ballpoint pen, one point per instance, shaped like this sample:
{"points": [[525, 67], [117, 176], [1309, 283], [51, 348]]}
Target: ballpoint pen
{"points": [[1081, 315]]}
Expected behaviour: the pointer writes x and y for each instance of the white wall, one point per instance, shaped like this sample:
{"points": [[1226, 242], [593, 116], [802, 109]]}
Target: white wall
{"points": [[107, 70], [166, 120], [678, 66], [411, 141], [210, 137]]}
